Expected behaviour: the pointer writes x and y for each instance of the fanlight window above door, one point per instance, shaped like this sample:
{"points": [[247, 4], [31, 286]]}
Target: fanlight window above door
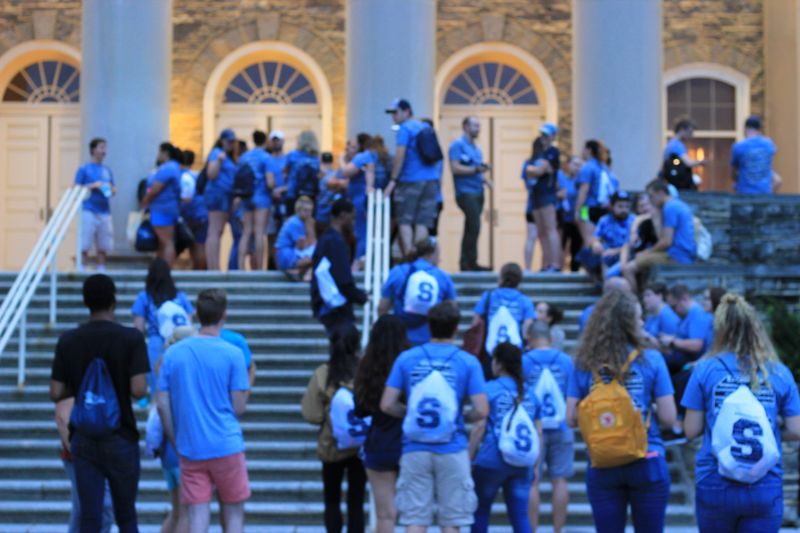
{"points": [[45, 82], [490, 83], [269, 82]]}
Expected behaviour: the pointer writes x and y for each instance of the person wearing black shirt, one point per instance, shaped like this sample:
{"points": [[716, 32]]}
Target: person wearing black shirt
{"points": [[332, 245], [114, 457]]}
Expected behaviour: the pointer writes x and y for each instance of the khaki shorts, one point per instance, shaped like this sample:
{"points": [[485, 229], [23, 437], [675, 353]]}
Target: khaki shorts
{"points": [[415, 202], [440, 484], [96, 229], [651, 259]]}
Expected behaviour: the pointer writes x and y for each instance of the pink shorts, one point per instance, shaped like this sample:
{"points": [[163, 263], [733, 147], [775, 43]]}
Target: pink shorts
{"points": [[228, 474]]}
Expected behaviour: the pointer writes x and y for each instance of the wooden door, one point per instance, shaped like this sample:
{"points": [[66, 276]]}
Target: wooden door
{"points": [[23, 186], [65, 157], [293, 119]]}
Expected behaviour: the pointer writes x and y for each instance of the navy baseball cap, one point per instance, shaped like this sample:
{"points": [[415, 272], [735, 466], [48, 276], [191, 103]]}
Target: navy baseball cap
{"points": [[227, 135], [398, 103], [621, 196], [753, 122]]}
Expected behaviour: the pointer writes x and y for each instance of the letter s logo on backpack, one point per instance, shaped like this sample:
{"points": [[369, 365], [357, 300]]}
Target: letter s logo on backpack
{"points": [[421, 293], [428, 413], [518, 441], [554, 408], [432, 410], [349, 430], [170, 316], [502, 327], [742, 438]]}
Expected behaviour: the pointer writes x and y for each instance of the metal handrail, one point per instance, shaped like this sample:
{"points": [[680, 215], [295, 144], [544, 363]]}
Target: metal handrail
{"points": [[13, 311], [376, 264]]}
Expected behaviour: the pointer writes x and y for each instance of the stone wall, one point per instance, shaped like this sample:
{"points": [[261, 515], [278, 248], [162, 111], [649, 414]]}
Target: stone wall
{"points": [[24, 20]]}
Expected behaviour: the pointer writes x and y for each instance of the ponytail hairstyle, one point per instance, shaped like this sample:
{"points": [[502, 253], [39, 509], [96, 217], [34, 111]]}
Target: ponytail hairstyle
{"points": [[172, 151], [363, 140], [344, 351], [376, 143], [510, 276], [509, 357], [598, 150], [738, 329]]}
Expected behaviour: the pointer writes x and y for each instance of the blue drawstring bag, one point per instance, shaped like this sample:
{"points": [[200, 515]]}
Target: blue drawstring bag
{"points": [[146, 239], [96, 411]]}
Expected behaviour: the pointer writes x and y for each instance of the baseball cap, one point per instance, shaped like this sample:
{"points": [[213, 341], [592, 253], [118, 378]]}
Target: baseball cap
{"points": [[227, 135], [549, 129], [276, 134], [623, 196], [398, 103], [753, 122]]}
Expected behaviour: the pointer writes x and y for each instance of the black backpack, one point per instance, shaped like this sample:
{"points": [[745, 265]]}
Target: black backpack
{"points": [[678, 173], [244, 182], [430, 152], [202, 181], [307, 178]]}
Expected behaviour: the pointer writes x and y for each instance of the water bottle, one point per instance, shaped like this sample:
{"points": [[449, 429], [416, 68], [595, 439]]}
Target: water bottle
{"points": [[106, 190]]}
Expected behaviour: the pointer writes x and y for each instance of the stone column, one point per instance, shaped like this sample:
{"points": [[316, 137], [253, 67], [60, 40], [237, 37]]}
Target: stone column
{"points": [[617, 67], [391, 52], [125, 90]]}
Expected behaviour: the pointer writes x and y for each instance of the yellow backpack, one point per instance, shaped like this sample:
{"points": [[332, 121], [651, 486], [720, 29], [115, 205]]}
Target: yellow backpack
{"points": [[610, 424]]}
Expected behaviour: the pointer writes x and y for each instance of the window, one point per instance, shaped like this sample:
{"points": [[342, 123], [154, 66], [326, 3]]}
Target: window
{"points": [[491, 84], [270, 82], [712, 104], [45, 82]]}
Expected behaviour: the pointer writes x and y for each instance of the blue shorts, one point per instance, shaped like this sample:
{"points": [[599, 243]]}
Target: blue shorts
{"points": [[558, 453], [159, 218], [199, 230], [172, 476], [539, 201], [381, 461], [260, 200], [217, 200], [286, 258]]}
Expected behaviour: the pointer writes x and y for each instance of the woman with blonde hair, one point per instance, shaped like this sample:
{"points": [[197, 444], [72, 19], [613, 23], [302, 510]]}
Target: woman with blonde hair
{"points": [[612, 348], [302, 170], [742, 354]]}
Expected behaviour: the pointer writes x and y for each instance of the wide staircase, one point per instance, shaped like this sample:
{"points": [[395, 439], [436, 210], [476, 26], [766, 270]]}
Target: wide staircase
{"points": [[287, 345]]}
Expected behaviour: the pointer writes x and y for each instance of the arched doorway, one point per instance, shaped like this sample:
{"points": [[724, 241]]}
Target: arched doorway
{"points": [[268, 86], [39, 143], [512, 95]]}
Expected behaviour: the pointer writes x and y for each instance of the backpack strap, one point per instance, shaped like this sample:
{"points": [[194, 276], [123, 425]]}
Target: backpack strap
{"points": [[488, 308], [430, 360], [727, 368], [631, 358]]}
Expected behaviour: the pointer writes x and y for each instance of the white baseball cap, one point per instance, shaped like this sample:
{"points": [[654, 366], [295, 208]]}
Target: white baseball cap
{"points": [[276, 134]]}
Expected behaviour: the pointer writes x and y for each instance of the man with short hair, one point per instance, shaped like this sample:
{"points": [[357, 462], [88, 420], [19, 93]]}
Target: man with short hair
{"points": [[96, 226], [676, 146], [689, 342], [329, 308], [115, 456], [467, 165], [436, 476], [751, 161], [661, 319], [415, 181], [203, 390], [612, 232], [676, 242]]}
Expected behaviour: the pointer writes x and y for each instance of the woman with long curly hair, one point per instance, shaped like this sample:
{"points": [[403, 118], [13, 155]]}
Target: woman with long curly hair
{"points": [[612, 346], [742, 354], [384, 444]]}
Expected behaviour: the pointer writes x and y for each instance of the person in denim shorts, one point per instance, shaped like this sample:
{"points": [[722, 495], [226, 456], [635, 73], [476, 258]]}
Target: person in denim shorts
{"points": [[220, 168]]}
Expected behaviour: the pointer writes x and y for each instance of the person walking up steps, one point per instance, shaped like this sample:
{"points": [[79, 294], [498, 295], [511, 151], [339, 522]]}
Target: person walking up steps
{"points": [[735, 398], [96, 227]]}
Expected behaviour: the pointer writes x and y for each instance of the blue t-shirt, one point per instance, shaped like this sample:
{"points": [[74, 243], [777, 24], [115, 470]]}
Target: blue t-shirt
{"points": [[414, 168], [257, 159], [568, 204], [752, 157], [238, 340], [461, 370], [97, 202], [294, 160], [595, 173], [518, 304], [666, 321], [361, 160], [292, 231], [467, 153], [582, 321], [612, 232], [195, 209], [223, 183], [695, 324], [711, 383], [648, 379], [144, 307], [325, 198], [394, 289], [676, 147], [169, 199], [678, 216], [560, 365], [382, 172], [199, 373], [275, 165], [502, 394]]}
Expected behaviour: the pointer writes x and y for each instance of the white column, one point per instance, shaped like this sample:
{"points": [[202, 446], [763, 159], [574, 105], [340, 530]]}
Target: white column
{"points": [[125, 90], [391, 52], [616, 73]]}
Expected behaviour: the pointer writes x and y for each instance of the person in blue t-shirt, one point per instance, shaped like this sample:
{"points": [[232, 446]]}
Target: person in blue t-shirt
{"points": [[751, 161], [595, 185], [332, 186], [611, 234], [297, 240], [661, 319], [743, 356], [163, 199], [568, 195], [689, 342], [257, 208], [434, 477], [301, 172], [609, 285], [203, 390], [643, 484], [412, 298], [489, 470], [540, 174], [96, 226], [506, 295], [676, 146], [676, 241], [360, 173], [277, 187], [468, 167], [557, 449], [416, 181], [220, 169], [194, 211]]}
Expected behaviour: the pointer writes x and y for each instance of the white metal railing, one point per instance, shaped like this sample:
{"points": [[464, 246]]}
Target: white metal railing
{"points": [[376, 266], [14, 308]]}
